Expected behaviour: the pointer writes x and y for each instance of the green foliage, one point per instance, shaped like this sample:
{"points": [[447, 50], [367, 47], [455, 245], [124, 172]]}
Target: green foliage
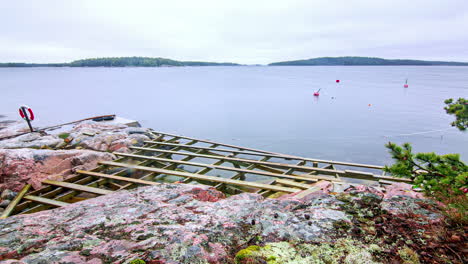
{"points": [[362, 61], [460, 110], [64, 135], [434, 173], [137, 261], [121, 62]]}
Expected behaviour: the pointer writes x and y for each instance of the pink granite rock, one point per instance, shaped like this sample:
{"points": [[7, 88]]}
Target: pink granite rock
{"points": [[401, 189], [21, 166], [181, 223]]}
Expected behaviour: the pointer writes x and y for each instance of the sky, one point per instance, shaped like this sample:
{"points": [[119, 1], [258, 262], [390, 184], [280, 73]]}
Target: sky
{"points": [[240, 31]]}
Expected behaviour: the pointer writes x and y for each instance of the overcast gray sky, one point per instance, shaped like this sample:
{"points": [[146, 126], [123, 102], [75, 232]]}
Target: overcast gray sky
{"points": [[242, 31]]}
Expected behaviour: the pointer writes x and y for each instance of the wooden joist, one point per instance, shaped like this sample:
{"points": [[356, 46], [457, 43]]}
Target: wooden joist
{"points": [[45, 201], [273, 155], [15, 201], [293, 184], [77, 187], [304, 177], [265, 163], [119, 178], [203, 177]]}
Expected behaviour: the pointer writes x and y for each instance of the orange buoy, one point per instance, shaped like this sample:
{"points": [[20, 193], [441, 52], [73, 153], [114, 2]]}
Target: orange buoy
{"points": [[369, 104]]}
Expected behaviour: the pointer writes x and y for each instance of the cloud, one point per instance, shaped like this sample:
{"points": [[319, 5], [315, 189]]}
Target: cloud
{"points": [[237, 31]]}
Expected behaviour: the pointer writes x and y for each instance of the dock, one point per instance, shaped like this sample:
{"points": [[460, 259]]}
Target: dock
{"points": [[169, 158]]}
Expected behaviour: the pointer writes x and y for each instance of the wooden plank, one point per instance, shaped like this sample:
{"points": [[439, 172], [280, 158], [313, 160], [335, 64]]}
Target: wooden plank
{"points": [[305, 177], [370, 176], [308, 191], [119, 178], [152, 175], [217, 143], [266, 163], [77, 187], [207, 169], [293, 184], [45, 201], [15, 201], [240, 175], [282, 156], [203, 177]]}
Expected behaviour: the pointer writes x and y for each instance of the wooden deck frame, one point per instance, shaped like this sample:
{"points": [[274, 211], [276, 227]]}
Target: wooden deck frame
{"points": [[156, 158]]}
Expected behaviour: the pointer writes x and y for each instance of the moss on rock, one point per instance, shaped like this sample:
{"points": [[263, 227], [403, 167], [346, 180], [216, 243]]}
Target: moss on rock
{"points": [[342, 251]]}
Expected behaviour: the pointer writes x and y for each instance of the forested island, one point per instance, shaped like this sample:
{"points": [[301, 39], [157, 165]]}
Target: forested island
{"points": [[163, 62], [121, 62], [358, 61]]}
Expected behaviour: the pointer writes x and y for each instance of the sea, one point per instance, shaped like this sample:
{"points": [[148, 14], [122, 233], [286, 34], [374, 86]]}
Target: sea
{"points": [[265, 107]]}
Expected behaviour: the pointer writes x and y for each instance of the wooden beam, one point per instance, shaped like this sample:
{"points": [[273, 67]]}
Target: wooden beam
{"points": [[45, 201], [217, 143], [304, 177], [281, 156], [203, 177], [77, 187], [266, 163], [293, 184], [15, 201], [119, 178]]}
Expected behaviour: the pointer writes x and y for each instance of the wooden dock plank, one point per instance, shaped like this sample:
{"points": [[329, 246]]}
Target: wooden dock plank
{"points": [[204, 177], [266, 163], [293, 184], [276, 155], [45, 200], [15, 201], [77, 187], [305, 177], [119, 178]]}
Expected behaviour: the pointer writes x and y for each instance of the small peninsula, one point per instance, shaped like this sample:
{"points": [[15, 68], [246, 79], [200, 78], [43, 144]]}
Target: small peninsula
{"points": [[364, 61]]}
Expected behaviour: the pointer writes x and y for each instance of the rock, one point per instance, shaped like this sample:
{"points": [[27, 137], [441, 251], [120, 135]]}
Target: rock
{"points": [[181, 223], [1, 210], [4, 203], [401, 189], [10, 128], [107, 137], [31, 140], [8, 194], [136, 130], [21, 166]]}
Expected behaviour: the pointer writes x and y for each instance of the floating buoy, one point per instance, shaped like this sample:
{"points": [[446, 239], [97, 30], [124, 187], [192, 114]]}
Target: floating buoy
{"points": [[337, 81], [369, 104], [406, 84], [317, 93]]}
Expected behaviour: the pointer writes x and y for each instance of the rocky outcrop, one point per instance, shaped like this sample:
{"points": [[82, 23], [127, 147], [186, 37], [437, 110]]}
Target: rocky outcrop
{"points": [[178, 223], [55, 154], [21, 166], [87, 135], [104, 137]]}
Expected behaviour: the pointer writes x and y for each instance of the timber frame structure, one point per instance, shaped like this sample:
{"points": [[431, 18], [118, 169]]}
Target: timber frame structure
{"points": [[172, 158]]}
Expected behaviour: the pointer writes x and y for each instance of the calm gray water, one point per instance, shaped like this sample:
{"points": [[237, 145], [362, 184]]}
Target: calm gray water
{"points": [[271, 108]]}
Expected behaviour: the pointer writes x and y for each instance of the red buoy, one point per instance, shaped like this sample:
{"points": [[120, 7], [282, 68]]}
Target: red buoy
{"points": [[317, 93], [406, 86], [337, 81]]}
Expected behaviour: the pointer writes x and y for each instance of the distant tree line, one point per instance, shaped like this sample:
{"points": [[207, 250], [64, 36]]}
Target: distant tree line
{"points": [[121, 62], [345, 61]]}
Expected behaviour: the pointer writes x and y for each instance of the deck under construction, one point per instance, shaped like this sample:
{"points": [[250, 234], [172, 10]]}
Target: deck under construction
{"points": [[171, 158]]}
